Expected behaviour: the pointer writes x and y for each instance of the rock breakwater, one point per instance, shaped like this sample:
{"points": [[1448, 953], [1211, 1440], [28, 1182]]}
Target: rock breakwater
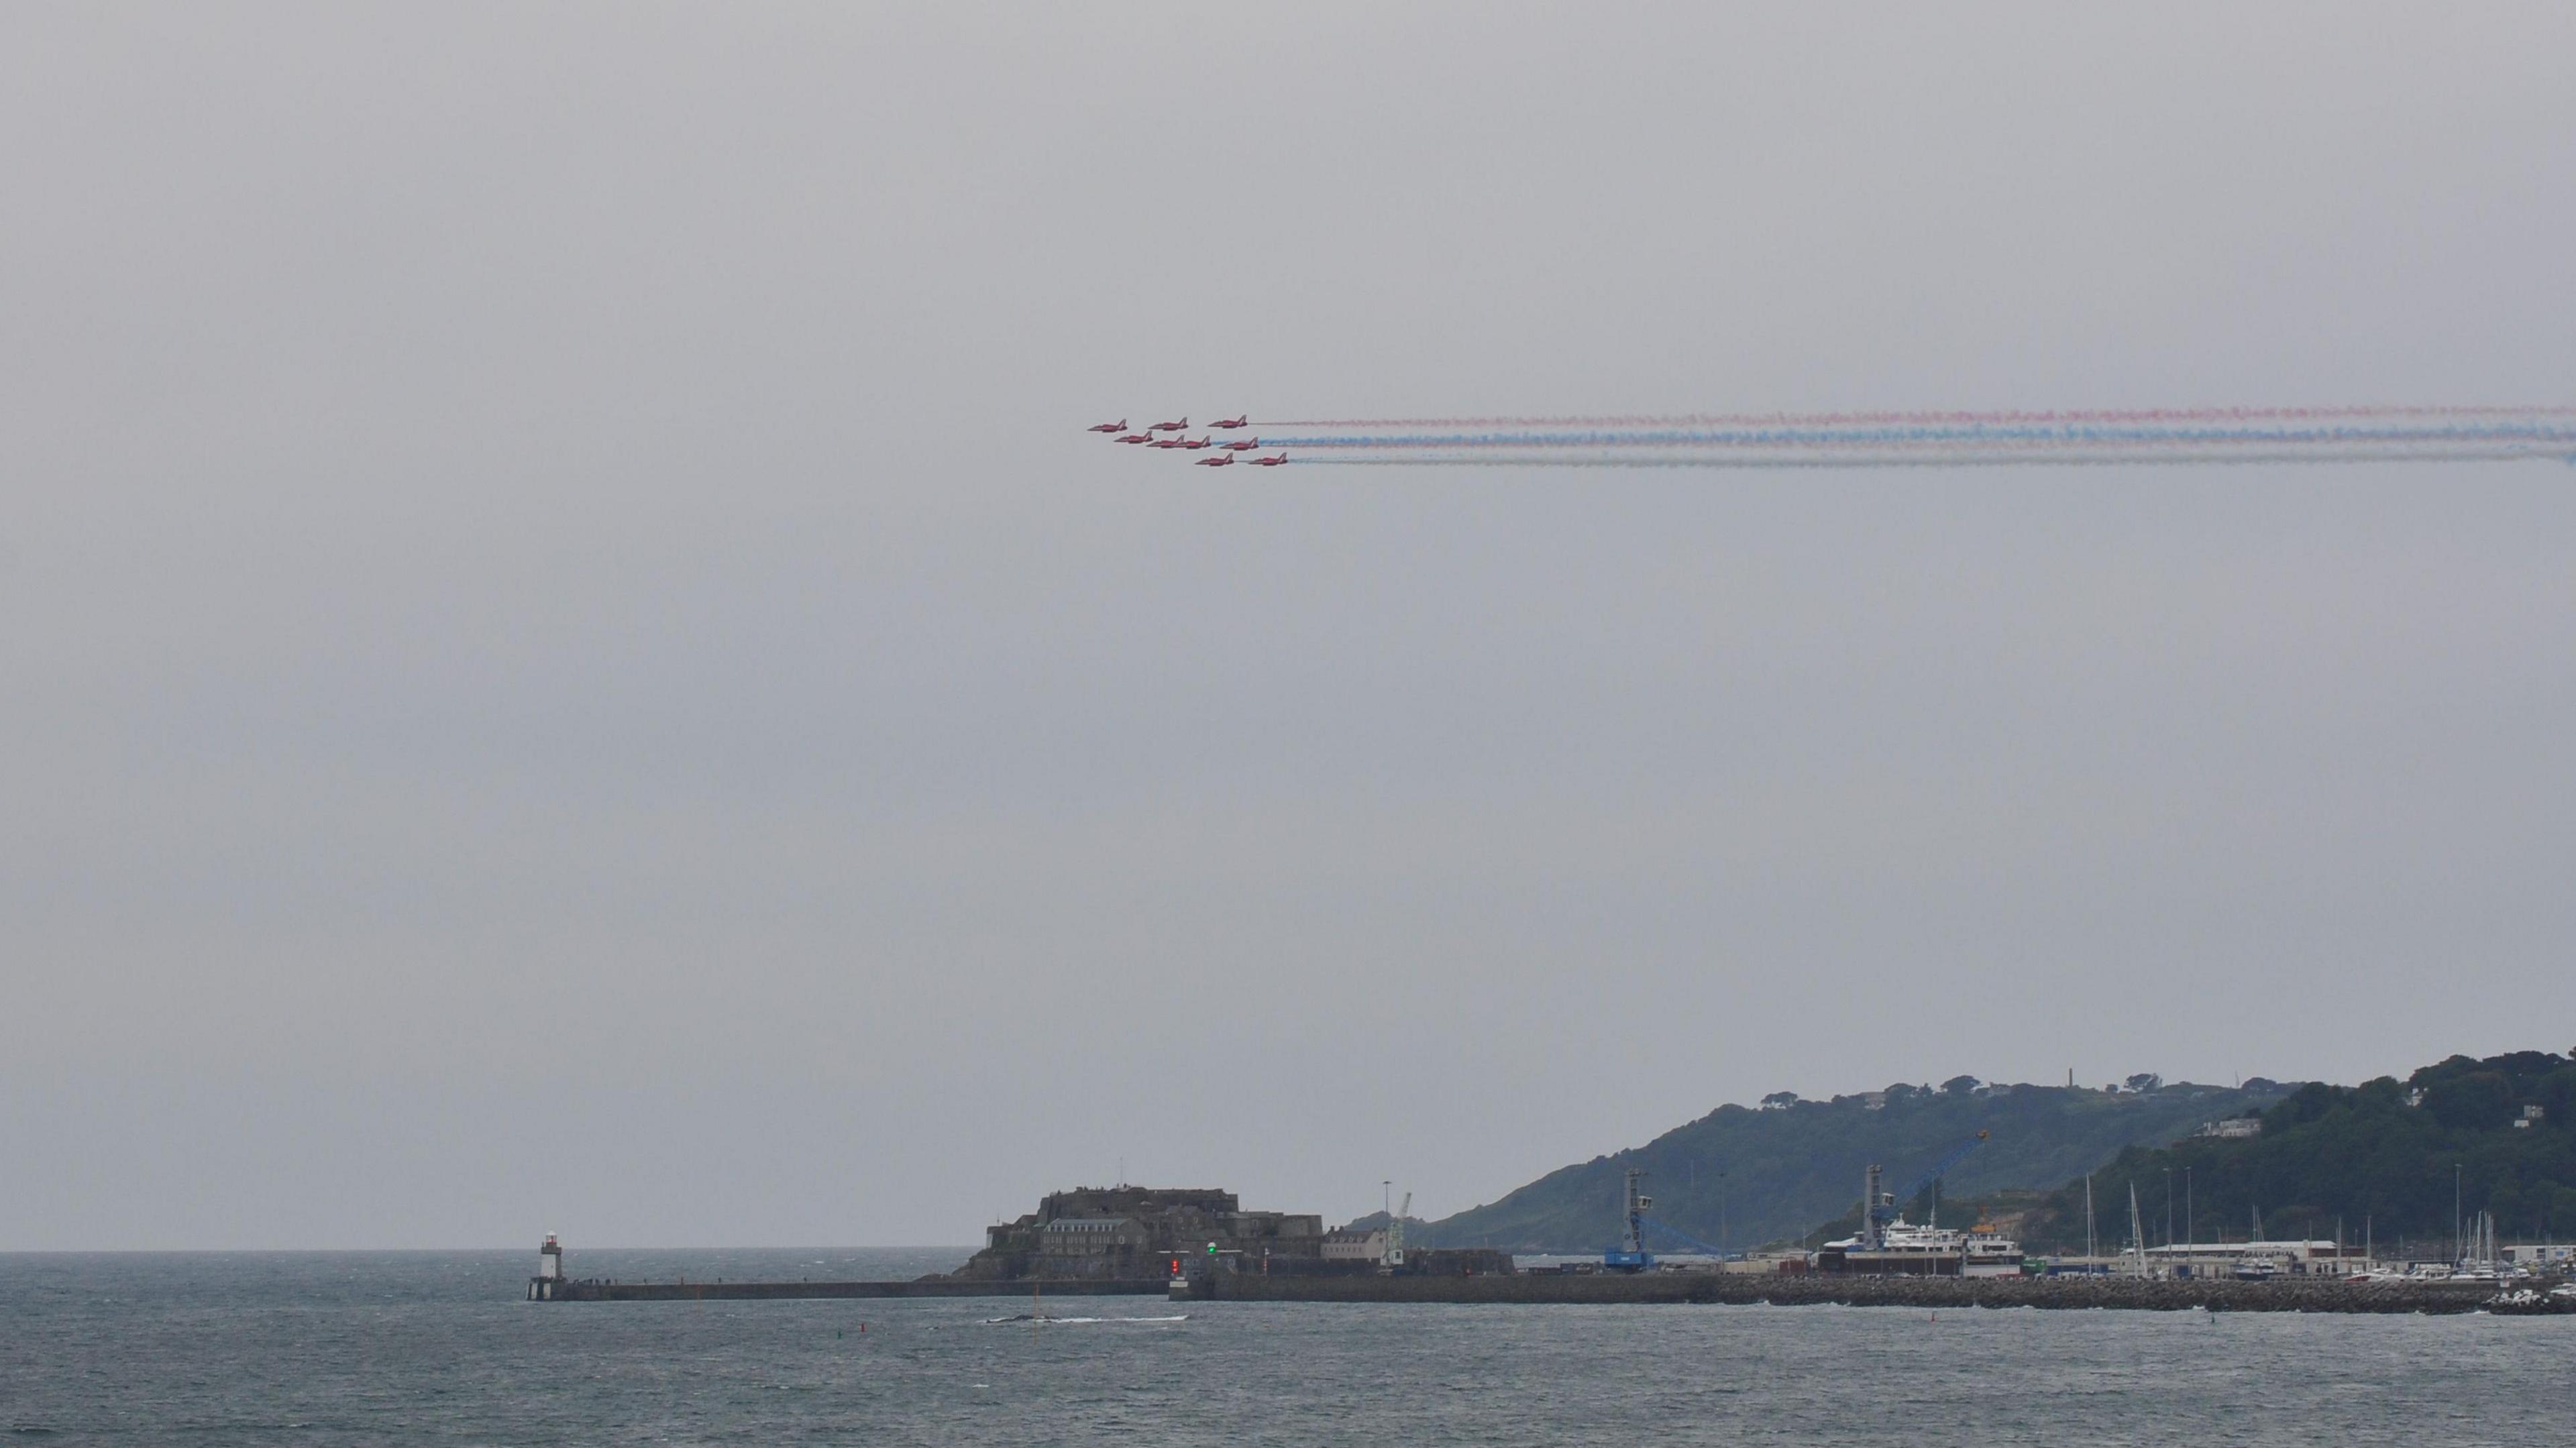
{"points": [[2053, 1293]]}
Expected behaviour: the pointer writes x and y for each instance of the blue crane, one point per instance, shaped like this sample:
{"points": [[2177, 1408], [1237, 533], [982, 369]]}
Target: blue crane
{"points": [[1676, 1233], [1881, 1206], [1631, 1255]]}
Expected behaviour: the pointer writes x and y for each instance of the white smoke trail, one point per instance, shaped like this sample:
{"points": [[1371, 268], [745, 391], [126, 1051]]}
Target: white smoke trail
{"points": [[1950, 460], [1966, 418]]}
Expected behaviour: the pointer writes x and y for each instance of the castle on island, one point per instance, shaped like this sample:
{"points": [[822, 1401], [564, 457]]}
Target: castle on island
{"points": [[1129, 1232]]}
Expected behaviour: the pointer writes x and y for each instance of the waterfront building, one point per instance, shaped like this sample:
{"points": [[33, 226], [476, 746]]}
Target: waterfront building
{"points": [[1348, 1245], [2296, 1258]]}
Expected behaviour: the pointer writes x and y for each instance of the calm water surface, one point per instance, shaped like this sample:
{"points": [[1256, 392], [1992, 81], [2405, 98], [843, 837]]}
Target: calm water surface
{"points": [[330, 1348]]}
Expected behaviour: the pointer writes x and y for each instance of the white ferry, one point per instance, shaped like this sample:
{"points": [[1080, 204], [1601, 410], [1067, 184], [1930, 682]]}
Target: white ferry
{"points": [[1905, 1249]]}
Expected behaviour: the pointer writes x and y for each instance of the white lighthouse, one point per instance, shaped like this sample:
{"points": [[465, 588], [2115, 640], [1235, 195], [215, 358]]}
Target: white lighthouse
{"points": [[550, 1274]]}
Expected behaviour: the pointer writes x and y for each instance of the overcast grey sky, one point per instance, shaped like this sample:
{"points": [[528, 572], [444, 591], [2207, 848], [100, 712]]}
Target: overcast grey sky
{"points": [[565, 662]]}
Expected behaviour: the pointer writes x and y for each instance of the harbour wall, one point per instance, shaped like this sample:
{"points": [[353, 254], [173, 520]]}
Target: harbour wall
{"points": [[1916, 1292], [1929, 1293], [568, 1291]]}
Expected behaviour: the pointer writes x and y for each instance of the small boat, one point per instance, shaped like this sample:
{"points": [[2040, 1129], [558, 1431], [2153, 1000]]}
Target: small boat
{"points": [[2532, 1302], [1048, 1319]]}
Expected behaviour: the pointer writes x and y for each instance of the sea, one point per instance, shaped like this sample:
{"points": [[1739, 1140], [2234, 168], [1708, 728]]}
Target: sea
{"points": [[442, 1348]]}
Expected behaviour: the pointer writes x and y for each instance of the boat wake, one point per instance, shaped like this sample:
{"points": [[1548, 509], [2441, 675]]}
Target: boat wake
{"points": [[1048, 1319]]}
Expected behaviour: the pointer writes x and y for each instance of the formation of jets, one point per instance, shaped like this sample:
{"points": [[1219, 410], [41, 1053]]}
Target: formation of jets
{"points": [[1175, 435]]}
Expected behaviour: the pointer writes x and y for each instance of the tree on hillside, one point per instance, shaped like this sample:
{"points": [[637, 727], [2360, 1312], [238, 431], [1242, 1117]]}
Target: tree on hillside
{"points": [[2363, 1154], [1746, 1176]]}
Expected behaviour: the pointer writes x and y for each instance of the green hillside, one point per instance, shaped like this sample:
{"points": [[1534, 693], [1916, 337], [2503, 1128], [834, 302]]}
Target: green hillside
{"points": [[1740, 1176], [2361, 1154]]}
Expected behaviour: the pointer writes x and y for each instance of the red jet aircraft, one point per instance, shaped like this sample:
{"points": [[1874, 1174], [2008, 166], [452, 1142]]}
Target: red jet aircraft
{"points": [[1168, 442], [1231, 421], [1181, 426], [1221, 460], [1137, 437], [1119, 426], [1270, 462], [1241, 444], [1196, 445]]}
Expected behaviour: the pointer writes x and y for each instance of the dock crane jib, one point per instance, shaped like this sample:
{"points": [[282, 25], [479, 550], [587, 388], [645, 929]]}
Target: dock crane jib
{"points": [[1879, 1207]]}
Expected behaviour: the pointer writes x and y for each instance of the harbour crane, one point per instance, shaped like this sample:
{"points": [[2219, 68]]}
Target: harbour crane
{"points": [[1685, 1238], [1631, 1254], [1880, 1207]]}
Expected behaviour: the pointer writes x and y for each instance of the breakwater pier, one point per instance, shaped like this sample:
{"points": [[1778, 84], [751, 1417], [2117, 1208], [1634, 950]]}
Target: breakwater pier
{"points": [[564, 1290], [1711, 1288], [1785, 1290], [1602, 1289]]}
